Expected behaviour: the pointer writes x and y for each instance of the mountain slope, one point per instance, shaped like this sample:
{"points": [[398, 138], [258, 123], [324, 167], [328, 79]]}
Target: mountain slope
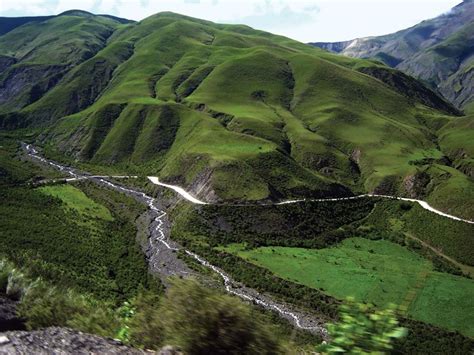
{"points": [[437, 51], [37, 55], [240, 114]]}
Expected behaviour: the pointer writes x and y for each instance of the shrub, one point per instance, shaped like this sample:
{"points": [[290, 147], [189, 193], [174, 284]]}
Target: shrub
{"points": [[16, 285], [45, 306], [145, 327], [202, 321], [199, 320], [359, 331]]}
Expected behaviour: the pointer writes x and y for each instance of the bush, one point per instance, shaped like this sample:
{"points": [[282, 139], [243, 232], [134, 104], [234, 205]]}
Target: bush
{"points": [[199, 321], [44, 306], [202, 321], [361, 332], [16, 285], [145, 326]]}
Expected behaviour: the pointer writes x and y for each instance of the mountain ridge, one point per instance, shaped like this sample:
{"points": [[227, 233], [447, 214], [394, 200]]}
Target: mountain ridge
{"points": [[201, 103], [436, 51]]}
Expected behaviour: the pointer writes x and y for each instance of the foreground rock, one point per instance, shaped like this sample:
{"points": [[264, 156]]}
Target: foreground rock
{"points": [[60, 341]]}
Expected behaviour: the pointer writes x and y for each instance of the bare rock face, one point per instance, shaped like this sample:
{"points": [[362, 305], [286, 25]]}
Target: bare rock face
{"points": [[169, 350], [415, 185], [61, 341], [355, 155], [9, 319]]}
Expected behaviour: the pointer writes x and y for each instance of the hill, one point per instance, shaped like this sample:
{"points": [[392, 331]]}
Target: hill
{"points": [[36, 55], [438, 51], [231, 112], [8, 24]]}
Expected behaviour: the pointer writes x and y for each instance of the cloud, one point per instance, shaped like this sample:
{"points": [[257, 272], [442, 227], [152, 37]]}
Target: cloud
{"points": [[64, 5], [26, 7], [278, 14], [306, 20]]}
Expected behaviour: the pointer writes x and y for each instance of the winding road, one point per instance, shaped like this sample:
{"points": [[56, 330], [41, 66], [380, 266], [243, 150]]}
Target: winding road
{"points": [[158, 234], [186, 195]]}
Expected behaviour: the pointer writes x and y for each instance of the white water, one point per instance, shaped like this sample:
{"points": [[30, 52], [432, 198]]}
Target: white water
{"points": [[162, 237]]}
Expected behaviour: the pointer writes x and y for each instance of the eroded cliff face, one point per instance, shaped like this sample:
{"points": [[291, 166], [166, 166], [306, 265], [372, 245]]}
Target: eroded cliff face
{"points": [[21, 85]]}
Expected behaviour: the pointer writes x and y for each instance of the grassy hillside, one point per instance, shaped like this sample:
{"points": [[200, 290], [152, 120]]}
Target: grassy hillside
{"points": [[37, 55], [241, 114]]}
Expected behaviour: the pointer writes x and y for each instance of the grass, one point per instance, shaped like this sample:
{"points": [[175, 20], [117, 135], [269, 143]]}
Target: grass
{"points": [[74, 198], [379, 272]]}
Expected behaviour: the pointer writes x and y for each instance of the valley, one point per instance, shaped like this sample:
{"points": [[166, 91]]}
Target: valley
{"points": [[222, 189], [161, 250], [159, 235]]}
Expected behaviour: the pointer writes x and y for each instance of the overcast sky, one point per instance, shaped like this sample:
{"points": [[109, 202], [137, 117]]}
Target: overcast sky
{"points": [[304, 20]]}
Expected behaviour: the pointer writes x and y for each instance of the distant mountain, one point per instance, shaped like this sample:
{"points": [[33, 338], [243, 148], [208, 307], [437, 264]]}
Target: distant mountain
{"points": [[231, 112], [440, 52], [10, 23]]}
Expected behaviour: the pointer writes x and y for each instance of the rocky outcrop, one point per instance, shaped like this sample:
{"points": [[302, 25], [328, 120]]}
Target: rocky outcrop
{"points": [[415, 185], [60, 341], [410, 88], [21, 84]]}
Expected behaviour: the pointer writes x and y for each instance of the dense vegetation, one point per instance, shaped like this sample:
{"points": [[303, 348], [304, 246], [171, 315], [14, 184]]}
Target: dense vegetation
{"points": [[306, 224], [392, 220], [378, 272], [422, 337], [192, 317], [85, 240]]}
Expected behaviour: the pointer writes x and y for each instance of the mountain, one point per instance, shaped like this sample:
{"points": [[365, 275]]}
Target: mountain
{"points": [[439, 52], [230, 112], [36, 55], [8, 24]]}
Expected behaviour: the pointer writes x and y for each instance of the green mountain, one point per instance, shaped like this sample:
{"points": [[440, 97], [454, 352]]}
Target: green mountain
{"points": [[35, 56], [439, 52], [230, 112]]}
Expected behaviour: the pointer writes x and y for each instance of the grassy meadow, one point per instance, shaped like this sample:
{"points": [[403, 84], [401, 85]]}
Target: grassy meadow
{"points": [[378, 272]]}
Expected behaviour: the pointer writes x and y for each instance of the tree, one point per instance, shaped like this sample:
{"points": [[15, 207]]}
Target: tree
{"points": [[362, 331]]}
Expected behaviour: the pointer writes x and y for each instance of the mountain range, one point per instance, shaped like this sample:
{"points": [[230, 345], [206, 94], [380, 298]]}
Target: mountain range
{"points": [[230, 112], [439, 52]]}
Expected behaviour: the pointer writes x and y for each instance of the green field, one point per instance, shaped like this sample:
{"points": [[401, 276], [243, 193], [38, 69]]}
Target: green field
{"points": [[74, 198], [379, 272]]}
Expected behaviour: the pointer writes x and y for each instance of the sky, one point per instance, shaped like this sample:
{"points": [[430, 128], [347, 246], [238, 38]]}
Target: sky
{"points": [[303, 20]]}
